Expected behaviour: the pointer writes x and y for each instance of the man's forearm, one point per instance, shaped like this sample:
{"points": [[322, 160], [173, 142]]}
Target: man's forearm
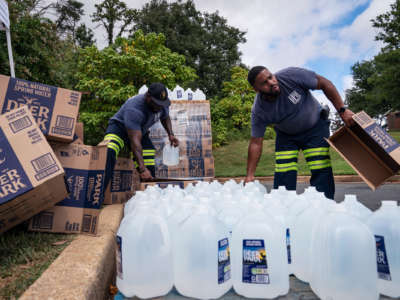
{"points": [[332, 94], [167, 126], [254, 154]]}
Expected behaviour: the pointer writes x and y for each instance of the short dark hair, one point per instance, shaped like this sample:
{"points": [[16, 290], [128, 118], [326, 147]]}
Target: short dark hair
{"points": [[254, 71]]}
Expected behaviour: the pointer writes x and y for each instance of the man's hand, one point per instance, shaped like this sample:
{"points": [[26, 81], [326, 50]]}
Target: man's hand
{"points": [[249, 178], [173, 140], [146, 175], [347, 117]]}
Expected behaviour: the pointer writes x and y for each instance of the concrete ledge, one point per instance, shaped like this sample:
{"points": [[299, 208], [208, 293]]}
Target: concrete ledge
{"points": [[85, 268]]}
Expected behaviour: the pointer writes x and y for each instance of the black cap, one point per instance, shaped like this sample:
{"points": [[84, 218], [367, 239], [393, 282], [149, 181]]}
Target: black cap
{"points": [[159, 94]]}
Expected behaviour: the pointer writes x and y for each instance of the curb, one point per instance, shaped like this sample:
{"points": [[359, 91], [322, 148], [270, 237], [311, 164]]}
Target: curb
{"points": [[85, 268]]}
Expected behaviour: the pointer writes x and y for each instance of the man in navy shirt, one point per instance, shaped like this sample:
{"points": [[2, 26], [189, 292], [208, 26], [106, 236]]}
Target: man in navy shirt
{"points": [[284, 100], [130, 126]]}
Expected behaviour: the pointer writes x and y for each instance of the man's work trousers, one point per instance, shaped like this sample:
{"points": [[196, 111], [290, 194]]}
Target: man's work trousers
{"points": [[315, 151], [118, 138]]}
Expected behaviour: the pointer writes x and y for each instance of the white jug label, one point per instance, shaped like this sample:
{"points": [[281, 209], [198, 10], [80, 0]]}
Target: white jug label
{"points": [[119, 256], [179, 94], [224, 261], [381, 259], [255, 268], [289, 254]]}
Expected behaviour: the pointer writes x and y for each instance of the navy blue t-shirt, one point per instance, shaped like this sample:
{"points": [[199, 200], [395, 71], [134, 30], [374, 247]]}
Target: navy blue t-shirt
{"points": [[136, 115], [295, 110]]}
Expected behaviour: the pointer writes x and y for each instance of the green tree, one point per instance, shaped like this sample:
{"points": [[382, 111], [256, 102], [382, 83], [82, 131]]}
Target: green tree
{"points": [[69, 14], [36, 45], [377, 83], [231, 115], [114, 74], [84, 36], [209, 44], [111, 14]]}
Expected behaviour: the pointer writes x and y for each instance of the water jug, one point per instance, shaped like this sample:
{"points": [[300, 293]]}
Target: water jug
{"points": [[385, 225], [355, 208], [170, 155], [144, 255], [259, 262], [343, 258], [204, 267]]}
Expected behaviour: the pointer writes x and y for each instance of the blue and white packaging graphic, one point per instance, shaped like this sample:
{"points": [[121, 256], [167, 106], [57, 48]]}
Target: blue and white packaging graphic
{"points": [[31, 176], [84, 173], [55, 109]]}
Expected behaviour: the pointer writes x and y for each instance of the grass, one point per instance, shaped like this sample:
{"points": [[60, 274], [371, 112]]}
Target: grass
{"points": [[231, 160], [24, 256]]}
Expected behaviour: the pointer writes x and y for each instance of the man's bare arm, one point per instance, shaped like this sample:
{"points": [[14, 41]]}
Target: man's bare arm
{"points": [[253, 157], [333, 95]]}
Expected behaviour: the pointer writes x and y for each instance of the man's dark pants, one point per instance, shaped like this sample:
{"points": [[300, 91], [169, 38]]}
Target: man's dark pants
{"points": [[316, 152], [117, 138]]}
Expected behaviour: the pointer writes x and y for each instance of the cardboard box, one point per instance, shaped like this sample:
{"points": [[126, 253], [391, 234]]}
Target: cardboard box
{"points": [[79, 131], [54, 109], [191, 123], [368, 149], [122, 186], [79, 211], [31, 176]]}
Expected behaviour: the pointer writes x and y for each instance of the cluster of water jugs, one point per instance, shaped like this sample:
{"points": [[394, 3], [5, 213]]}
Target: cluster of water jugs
{"points": [[206, 238], [179, 93]]}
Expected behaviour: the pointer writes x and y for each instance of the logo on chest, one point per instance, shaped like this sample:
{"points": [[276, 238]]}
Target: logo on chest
{"points": [[294, 97]]}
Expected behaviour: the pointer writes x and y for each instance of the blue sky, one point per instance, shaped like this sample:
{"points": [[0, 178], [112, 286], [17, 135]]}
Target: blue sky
{"points": [[327, 36]]}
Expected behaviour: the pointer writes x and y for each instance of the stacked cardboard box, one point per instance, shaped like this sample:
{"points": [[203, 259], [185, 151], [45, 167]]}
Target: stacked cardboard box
{"points": [[121, 187], [31, 176], [84, 169], [191, 123], [54, 109]]}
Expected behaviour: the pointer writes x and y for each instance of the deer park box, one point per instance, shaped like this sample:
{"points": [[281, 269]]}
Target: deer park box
{"points": [[191, 123], [55, 109], [368, 149], [31, 176], [79, 211], [122, 184]]}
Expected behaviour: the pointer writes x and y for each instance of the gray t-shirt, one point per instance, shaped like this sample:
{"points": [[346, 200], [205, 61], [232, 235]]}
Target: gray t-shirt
{"points": [[295, 110], [136, 115]]}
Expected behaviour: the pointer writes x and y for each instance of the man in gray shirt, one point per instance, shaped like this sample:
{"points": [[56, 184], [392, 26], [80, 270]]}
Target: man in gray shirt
{"points": [[130, 126], [284, 100]]}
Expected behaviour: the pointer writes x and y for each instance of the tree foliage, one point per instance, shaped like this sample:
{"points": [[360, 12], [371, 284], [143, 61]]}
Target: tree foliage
{"points": [[209, 44], [231, 115], [114, 74], [111, 14], [377, 82]]}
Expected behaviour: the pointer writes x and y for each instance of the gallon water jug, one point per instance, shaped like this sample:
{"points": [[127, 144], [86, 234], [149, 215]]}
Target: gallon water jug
{"points": [[301, 236], [259, 265], [170, 155], [385, 225], [355, 208], [144, 256], [343, 258], [203, 270]]}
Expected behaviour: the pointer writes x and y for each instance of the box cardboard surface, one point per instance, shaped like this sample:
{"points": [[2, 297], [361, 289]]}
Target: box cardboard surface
{"points": [[55, 109], [79, 131], [31, 176], [368, 149], [80, 210], [122, 186], [191, 123]]}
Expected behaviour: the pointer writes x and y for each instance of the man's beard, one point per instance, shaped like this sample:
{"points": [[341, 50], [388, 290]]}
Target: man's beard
{"points": [[270, 96]]}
